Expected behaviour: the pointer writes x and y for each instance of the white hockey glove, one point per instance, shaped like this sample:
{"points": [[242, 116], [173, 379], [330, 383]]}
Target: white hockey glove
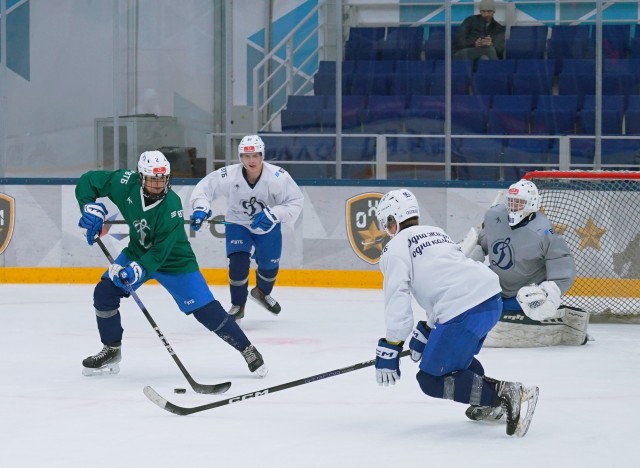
{"points": [[540, 302]]}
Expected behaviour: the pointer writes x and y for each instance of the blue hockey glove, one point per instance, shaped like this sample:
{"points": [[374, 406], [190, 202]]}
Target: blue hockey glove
{"points": [[264, 220], [388, 362], [91, 221], [132, 273], [198, 216], [419, 340]]}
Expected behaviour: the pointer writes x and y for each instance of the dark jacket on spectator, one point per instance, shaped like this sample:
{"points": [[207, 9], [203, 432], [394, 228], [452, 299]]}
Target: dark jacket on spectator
{"points": [[474, 27]]}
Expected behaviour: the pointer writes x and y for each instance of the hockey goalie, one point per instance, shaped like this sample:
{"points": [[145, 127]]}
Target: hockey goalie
{"points": [[536, 268]]}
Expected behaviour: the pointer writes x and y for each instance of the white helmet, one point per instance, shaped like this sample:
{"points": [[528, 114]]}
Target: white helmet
{"points": [[522, 200], [251, 144], [399, 205], [151, 166]]}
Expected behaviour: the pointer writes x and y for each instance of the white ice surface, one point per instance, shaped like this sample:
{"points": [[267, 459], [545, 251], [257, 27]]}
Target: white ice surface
{"points": [[52, 416]]}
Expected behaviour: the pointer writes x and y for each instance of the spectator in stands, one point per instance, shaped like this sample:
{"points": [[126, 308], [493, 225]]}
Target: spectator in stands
{"points": [[480, 36]]}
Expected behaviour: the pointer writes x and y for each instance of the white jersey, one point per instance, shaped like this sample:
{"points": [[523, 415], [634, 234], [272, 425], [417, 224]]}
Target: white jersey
{"points": [[275, 188], [423, 262]]}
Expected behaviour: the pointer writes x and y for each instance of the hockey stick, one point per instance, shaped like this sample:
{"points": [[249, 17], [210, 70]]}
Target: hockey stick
{"points": [[197, 387], [186, 221], [155, 397]]}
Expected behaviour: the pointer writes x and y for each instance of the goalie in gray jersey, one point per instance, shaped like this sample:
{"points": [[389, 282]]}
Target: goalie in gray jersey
{"points": [[536, 268]]}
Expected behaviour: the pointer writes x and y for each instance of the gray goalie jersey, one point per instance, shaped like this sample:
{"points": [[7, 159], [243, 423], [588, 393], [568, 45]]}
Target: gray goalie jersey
{"points": [[530, 253]]}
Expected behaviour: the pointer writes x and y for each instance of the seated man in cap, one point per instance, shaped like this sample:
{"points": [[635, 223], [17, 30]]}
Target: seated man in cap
{"points": [[480, 36]]}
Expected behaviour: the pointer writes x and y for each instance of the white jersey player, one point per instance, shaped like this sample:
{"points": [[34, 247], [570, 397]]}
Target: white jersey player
{"points": [[462, 302], [536, 268], [260, 196]]}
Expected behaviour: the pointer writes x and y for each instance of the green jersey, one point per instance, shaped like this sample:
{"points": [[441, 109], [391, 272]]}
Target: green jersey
{"points": [[158, 240]]}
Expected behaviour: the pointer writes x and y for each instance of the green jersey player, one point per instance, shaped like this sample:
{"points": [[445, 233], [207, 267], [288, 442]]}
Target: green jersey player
{"points": [[158, 248]]}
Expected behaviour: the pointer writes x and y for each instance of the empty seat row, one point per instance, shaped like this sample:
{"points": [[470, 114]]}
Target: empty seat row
{"points": [[499, 114]]}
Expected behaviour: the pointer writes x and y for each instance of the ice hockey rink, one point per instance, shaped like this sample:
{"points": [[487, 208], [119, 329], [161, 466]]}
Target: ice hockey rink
{"points": [[52, 416]]}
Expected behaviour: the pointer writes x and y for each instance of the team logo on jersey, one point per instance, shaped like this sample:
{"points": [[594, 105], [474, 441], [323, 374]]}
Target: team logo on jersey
{"points": [[365, 236], [502, 254], [7, 220]]}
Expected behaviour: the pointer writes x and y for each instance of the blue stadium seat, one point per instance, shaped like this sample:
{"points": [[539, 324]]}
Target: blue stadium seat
{"points": [[526, 42], [459, 83], [457, 67], [569, 42], [495, 67], [580, 66], [425, 115], [553, 121], [468, 121], [524, 155], [544, 66], [480, 150], [632, 116], [615, 40], [300, 120], [510, 115], [434, 46], [612, 113], [364, 84], [374, 66], [297, 102], [489, 83], [409, 83], [385, 107], [414, 66], [621, 152], [533, 83]]}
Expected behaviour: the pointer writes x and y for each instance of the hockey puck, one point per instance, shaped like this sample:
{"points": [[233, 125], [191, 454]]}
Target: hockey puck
{"points": [[179, 390]]}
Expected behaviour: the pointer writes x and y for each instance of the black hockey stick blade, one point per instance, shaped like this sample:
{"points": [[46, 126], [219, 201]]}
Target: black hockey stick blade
{"points": [[166, 405]]}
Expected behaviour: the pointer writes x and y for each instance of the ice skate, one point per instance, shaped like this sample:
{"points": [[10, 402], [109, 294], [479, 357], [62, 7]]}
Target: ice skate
{"points": [[265, 300], [513, 396], [103, 363], [237, 312], [255, 361], [484, 413]]}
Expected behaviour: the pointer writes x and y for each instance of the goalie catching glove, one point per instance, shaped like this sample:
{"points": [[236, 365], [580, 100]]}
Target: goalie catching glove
{"points": [[540, 302]]}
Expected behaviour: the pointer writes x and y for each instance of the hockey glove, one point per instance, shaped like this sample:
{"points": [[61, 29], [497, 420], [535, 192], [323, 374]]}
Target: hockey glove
{"points": [[264, 220], [540, 302], [132, 273], [388, 362], [198, 217], [419, 340], [91, 221]]}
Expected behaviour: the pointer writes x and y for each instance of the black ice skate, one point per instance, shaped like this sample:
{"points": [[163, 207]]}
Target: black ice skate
{"points": [[255, 361], [265, 300], [484, 413], [103, 363], [237, 312], [513, 396]]}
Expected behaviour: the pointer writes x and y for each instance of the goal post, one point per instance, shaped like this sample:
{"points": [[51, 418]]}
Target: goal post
{"points": [[598, 214]]}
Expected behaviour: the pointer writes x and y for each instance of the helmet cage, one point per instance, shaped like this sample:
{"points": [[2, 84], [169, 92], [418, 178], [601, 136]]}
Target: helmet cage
{"points": [[155, 172], [522, 200]]}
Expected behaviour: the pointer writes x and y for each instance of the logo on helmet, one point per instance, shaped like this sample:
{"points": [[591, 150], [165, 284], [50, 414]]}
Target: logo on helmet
{"points": [[249, 149], [160, 170], [365, 236], [514, 191]]}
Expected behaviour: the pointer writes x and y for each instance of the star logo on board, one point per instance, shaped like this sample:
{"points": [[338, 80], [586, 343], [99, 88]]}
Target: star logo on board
{"points": [[365, 236], [590, 235], [372, 237]]}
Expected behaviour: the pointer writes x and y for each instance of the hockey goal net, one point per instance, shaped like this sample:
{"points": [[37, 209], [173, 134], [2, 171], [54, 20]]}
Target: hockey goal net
{"points": [[598, 213]]}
